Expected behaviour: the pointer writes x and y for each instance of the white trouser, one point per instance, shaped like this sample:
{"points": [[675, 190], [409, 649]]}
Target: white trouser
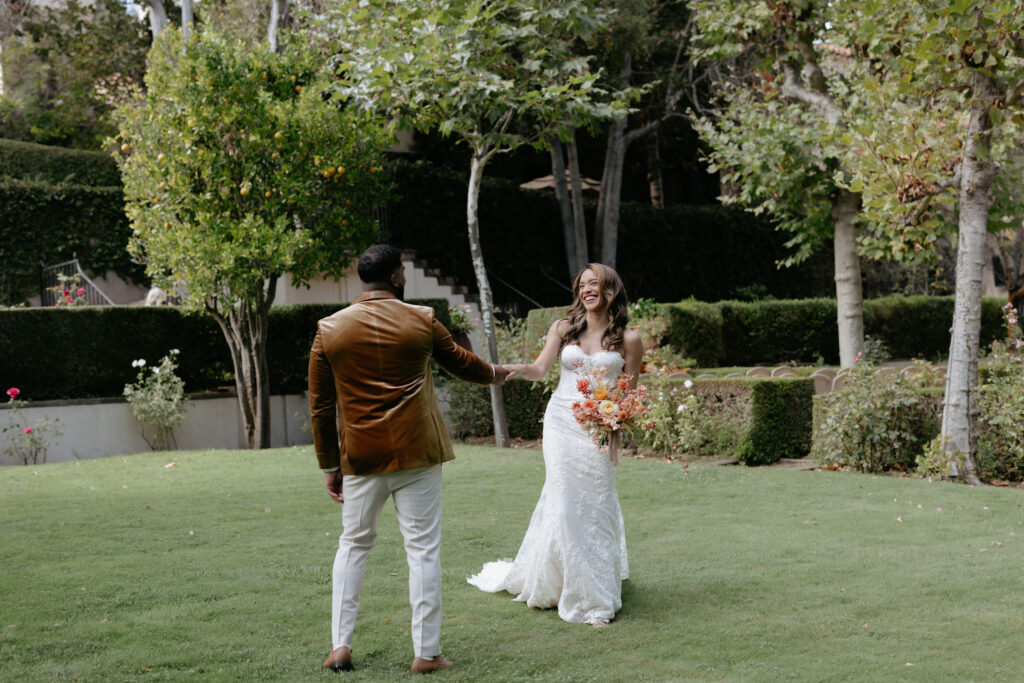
{"points": [[417, 496]]}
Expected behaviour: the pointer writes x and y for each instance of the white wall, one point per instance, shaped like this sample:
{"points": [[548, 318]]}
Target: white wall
{"points": [[100, 427]]}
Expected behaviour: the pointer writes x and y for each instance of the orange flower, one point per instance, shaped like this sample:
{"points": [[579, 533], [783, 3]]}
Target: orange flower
{"points": [[600, 394]]}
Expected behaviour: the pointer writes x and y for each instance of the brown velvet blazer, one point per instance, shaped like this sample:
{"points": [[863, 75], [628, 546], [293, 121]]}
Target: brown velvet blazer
{"points": [[370, 367]]}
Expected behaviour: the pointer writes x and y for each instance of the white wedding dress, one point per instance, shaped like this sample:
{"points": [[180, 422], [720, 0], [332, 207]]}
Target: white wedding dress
{"points": [[574, 551]]}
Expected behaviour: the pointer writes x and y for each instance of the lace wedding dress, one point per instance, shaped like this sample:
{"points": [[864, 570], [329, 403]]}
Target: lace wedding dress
{"points": [[574, 551]]}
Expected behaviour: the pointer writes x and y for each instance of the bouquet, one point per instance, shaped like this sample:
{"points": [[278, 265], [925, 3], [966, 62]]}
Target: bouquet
{"points": [[609, 406]]}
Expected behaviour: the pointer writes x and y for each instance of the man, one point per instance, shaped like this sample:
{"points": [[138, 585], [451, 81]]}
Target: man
{"points": [[369, 368]]}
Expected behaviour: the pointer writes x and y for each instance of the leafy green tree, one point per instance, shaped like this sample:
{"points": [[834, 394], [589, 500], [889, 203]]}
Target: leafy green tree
{"points": [[236, 171], [942, 124], [783, 96], [495, 75], [65, 68]]}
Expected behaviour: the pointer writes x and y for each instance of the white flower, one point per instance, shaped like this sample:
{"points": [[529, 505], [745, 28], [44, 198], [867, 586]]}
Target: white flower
{"points": [[140, 363], [175, 352], [688, 383], [681, 408]]}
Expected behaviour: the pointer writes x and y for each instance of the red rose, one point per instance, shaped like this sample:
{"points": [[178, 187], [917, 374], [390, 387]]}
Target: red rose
{"points": [[13, 392]]}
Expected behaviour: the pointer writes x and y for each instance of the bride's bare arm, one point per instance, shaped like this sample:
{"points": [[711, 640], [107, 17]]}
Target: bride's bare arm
{"points": [[633, 352], [538, 368]]}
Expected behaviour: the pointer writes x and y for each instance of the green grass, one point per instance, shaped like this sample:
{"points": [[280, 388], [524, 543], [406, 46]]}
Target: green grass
{"points": [[121, 569]]}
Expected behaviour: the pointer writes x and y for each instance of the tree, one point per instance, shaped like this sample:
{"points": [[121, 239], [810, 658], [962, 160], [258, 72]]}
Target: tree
{"points": [[944, 115], [64, 69], [783, 92], [237, 171], [495, 75], [644, 50]]}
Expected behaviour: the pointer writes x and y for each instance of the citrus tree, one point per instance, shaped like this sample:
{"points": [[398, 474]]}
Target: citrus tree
{"points": [[236, 171]]}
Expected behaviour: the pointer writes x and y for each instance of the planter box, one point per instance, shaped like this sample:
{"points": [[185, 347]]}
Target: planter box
{"points": [[95, 428]]}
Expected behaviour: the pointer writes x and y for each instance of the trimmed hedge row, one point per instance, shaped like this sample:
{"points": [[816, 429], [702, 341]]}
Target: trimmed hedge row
{"points": [[87, 352], [735, 333], [57, 165], [44, 223]]}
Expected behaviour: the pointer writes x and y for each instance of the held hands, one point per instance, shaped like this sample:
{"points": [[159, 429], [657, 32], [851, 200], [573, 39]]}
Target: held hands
{"points": [[500, 374], [515, 370]]}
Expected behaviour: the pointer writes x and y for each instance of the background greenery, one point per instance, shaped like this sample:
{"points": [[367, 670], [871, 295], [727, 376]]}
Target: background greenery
{"points": [[74, 365], [218, 568]]}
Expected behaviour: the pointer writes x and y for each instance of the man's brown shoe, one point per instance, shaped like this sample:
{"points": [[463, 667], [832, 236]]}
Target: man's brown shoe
{"points": [[340, 659], [429, 666]]}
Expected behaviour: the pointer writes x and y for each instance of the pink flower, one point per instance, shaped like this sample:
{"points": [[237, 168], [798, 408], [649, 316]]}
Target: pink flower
{"points": [[68, 299], [80, 292], [28, 430], [13, 392]]}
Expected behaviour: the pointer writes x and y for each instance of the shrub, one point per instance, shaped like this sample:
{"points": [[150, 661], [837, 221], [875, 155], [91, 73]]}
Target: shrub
{"points": [[1001, 399], [780, 421], [697, 418], [157, 399], [26, 442], [758, 420], [877, 422]]}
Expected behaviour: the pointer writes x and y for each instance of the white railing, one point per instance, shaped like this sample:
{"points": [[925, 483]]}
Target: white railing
{"points": [[50, 279]]}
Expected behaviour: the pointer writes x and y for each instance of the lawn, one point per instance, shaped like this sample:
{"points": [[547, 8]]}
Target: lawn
{"points": [[127, 569]]}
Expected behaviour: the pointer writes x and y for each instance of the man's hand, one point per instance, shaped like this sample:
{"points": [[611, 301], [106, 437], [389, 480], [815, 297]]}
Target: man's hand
{"points": [[500, 374], [333, 482]]}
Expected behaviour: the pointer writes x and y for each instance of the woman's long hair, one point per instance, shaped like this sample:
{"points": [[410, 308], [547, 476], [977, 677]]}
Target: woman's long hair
{"points": [[614, 295]]}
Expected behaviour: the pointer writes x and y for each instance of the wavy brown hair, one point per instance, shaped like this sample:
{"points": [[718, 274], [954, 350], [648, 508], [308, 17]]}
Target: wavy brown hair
{"points": [[614, 294]]}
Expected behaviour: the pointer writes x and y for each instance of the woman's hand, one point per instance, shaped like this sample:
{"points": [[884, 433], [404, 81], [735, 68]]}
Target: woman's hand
{"points": [[515, 370]]}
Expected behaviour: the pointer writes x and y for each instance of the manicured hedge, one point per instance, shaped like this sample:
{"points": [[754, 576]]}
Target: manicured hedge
{"points": [[57, 165], [44, 223], [71, 353], [737, 333], [781, 416]]}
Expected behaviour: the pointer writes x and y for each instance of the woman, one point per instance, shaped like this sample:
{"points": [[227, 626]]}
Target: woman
{"points": [[574, 551]]}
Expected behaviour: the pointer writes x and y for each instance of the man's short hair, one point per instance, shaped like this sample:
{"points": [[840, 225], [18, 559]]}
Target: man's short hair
{"points": [[378, 263]]}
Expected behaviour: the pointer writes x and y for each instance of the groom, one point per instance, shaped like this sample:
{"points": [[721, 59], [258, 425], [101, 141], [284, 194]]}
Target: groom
{"points": [[369, 372]]}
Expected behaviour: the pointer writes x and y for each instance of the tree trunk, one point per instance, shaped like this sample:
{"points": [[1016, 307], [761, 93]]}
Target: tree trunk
{"points": [[476, 172], [280, 18], [562, 195], [245, 329], [157, 18], [960, 406], [849, 298], [655, 180], [607, 223], [579, 218], [186, 18]]}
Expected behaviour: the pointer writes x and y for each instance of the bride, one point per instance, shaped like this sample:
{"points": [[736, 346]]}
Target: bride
{"points": [[574, 551]]}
